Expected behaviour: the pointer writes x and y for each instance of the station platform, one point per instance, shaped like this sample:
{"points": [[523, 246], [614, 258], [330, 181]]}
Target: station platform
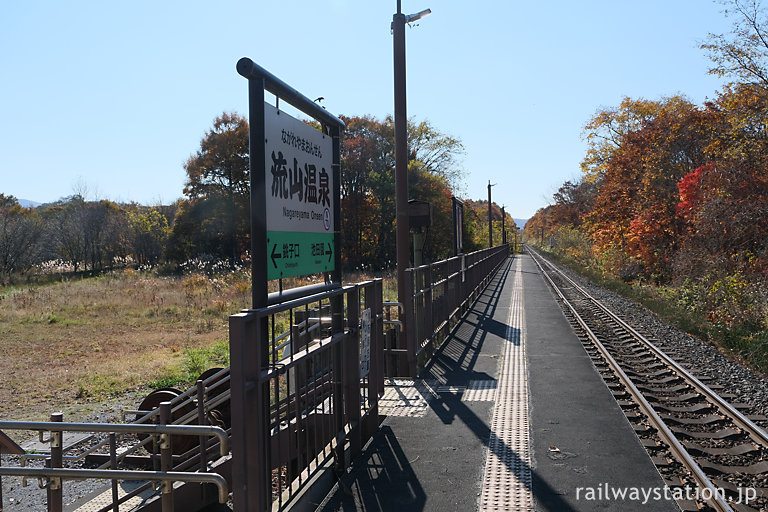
{"points": [[510, 414]]}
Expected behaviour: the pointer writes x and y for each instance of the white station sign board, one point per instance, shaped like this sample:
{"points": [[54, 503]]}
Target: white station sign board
{"points": [[299, 196]]}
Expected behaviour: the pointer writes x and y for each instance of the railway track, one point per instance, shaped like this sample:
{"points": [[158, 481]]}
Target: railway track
{"points": [[710, 453]]}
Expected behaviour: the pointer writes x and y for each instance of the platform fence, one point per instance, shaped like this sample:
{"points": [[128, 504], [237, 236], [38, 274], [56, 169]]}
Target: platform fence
{"points": [[303, 408], [440, 293]]}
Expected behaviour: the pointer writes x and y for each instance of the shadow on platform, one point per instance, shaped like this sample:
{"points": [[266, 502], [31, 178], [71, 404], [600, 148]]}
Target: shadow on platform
{"points": [[382, 480]]}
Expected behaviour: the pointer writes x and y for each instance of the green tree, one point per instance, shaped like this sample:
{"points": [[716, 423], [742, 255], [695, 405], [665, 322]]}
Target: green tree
{"points": [[8, 201], [436, 152], [149, 232]]}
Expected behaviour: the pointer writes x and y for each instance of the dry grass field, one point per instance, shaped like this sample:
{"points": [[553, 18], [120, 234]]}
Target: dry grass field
{"points": [[84, 340], [77, 344]]}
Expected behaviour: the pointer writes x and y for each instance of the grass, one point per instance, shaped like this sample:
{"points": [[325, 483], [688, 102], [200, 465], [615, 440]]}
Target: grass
{"points": [[92, 338], [85, 339]]}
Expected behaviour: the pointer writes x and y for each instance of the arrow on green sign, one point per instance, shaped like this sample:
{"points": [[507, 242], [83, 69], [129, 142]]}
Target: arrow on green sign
{"points": [[298, 254]]}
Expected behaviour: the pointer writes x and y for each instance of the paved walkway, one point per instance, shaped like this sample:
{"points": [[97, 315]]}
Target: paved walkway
{"points": [[509, 415]]}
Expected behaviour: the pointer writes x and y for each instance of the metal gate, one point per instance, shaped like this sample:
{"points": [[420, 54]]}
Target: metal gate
{"points": [[309, 402]]}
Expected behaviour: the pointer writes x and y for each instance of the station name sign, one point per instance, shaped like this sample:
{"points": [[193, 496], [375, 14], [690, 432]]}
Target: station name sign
{"points": [[299, 197]]}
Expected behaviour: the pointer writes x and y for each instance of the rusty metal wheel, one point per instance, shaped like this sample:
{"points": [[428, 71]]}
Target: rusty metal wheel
{"points": [[180, 444]]}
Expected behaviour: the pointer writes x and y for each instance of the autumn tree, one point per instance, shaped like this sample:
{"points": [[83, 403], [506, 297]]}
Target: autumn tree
{"points": [[680, 192], [725, 209], [434, 174], [88, 234], [368, 187], [218, 174], [573, 201], [741, 54], [540, 227], [434, 189], [633, 216], [476, 224], [738, 122], [474, 229], [605, 133], [104, 231], [367, 191], [199, 229]]}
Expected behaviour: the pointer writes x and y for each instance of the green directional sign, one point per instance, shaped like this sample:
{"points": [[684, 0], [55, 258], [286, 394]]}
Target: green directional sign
{"points": [[299, 197], [292, 253]]}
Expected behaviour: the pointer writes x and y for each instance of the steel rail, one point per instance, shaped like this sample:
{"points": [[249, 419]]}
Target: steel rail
{"points": [[742, 421], [717, 501]]}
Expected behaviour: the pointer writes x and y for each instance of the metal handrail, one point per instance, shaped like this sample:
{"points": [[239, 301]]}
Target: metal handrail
{"points": [[121, 474], [121, 428], [181, 400]]}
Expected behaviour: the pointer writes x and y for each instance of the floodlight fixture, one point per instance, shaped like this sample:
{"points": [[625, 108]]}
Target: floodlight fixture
{"points": [[410, 18]]}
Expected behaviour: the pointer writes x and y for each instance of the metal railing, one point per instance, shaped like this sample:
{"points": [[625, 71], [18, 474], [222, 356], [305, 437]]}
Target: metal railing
{"points": [[440, 294], [162, 435], [303, 390], [299, 407]]}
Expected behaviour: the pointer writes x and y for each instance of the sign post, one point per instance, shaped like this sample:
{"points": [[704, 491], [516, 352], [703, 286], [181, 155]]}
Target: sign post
{"points": [[295, 179], [458, 225]]}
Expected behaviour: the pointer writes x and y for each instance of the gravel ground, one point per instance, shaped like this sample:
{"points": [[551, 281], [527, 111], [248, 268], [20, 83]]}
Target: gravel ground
{"points": [[17, 498], [699, 357]]}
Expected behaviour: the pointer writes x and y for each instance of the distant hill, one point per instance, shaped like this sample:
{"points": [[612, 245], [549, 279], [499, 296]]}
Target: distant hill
{"points": [[26, 203], [520, 223]]}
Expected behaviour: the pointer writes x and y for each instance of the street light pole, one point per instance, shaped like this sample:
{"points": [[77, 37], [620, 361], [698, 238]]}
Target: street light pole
{"points": [[401, 154], [401, 166]]}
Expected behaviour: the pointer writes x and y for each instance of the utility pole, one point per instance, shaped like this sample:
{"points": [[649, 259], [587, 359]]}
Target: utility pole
{"points": [[490, 223], [503, 228]]}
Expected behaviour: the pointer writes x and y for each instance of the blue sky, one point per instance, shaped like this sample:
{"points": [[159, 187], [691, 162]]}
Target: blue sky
{"points": [[112, 97]]}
